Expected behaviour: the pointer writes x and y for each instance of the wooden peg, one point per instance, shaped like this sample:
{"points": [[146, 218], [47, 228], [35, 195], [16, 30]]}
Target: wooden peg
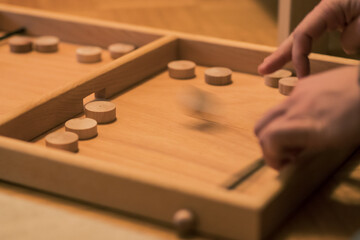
{"points": [[272, 80], [101, 111], [119, 49], [88, 54], [20, 44], [286, 85], [46, 44], [85, 128], [218, 76], [184, 221], [63, 140], [181, 69]]}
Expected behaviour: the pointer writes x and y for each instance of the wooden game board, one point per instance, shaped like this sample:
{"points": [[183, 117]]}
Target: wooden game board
{"points": [[154, 159]]}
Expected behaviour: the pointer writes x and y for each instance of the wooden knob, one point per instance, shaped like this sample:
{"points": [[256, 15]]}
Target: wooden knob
{"points": [[63, 140], [101, 111], [218, 76], [119, 49], [185, 222], [181, 69], [20, 44], [286, 85], [85, 128], [46, 44], [88, 54], [272, 80]]}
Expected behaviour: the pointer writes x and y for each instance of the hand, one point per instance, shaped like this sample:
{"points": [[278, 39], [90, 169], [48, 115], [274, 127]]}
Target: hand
{"points": [[328, 15], [323, 111]]}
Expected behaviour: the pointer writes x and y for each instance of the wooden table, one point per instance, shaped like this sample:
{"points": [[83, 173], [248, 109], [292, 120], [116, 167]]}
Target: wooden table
{"points": [[332, 213]]}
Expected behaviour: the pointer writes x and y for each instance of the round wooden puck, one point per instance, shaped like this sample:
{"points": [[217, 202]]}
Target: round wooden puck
{"points": [[46, 44], [181, 69], [198, 103], [272, 79], [101, 111], [184, 222], [63, 140], [286, 85], [85, 128], [19, 44], [88, 54], [119, 49], [218, 76]]}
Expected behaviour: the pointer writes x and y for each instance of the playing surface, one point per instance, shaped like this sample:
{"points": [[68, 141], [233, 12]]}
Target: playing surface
{"points": [[153, 133], [28, 77]]}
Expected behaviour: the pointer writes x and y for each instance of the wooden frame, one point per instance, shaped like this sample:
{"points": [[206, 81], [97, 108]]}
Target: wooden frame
{"points": [[92, 180]]}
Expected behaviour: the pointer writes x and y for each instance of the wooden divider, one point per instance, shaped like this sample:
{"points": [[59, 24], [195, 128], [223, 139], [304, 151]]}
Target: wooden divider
{"points": [[59, 106]]}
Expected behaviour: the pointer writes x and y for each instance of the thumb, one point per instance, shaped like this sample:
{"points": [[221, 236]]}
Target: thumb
{"points": [[350, 37]]}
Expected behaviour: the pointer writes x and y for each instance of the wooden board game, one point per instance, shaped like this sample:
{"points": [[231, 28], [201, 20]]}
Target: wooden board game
{"points": [[154, 159]]}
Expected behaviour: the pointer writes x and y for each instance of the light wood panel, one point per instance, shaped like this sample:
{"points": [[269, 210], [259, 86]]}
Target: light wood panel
{"points": [[153, 133], [30, 76], [53, 109], [225, 19]]}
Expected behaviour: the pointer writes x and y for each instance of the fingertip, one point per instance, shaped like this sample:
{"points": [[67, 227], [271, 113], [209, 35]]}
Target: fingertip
{"points": [[262, 68]]}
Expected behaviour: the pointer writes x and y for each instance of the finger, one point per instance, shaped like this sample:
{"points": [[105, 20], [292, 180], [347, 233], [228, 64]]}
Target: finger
{"points": [[301, 49], [283, 141], [277, 59], [350, 37], [325, 16], [270, 116], [313, 26]]}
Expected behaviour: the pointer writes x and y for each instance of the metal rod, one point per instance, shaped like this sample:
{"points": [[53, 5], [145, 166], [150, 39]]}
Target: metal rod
{"points": [[243, 174], [9, 34]]}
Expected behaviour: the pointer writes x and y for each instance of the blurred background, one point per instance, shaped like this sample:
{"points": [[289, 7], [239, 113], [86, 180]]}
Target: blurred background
{"points": [[243, 20]]}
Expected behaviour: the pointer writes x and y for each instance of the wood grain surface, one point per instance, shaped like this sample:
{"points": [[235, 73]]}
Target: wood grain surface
{"points": [[35, 74], [226, 18], [150, 122], [332, 213]]}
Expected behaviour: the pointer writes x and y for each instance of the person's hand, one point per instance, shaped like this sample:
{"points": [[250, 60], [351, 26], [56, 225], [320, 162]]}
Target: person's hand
{"points": [[328, 15], [322, 112]]}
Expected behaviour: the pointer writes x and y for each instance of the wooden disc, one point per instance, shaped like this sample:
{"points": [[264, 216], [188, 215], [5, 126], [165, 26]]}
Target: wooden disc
{"points": [[88, 54], [63, 140], [286, 85], [272, 80], [181, 69], [218, 76], [46, 44], [19, 44], [101, 111], [119, 49], [85, 128], [184, 221], [198, 103]]}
